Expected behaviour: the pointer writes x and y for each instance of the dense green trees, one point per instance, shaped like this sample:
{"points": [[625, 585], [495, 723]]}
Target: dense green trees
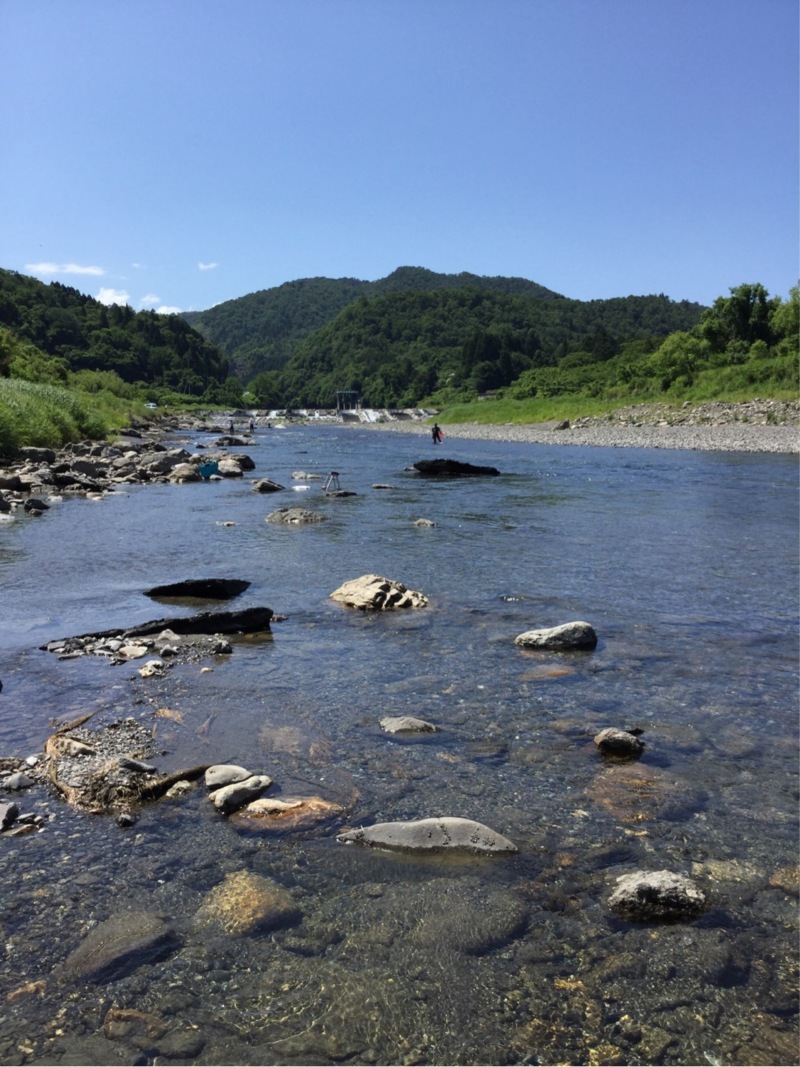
{"points": [[75, 332], [443, 345]]}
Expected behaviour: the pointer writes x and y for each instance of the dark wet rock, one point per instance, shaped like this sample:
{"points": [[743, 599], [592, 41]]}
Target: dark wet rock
{"points": [[118, 946], [248, 620], [430, 836], [8, 814], [399, 724], [295, 516], [620, 743], [231, 797], [569, 637], [452, 468], [32, 454], [35, 506], [266, 485], [655, 895], [370, 592], [246, 903], [201, 589]]}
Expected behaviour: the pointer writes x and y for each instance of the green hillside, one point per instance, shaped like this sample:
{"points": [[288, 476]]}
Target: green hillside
{"points": [[450, 344], [75, 332], [260, 331]]}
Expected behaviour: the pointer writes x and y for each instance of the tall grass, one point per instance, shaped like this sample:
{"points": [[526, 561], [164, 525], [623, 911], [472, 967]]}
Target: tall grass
{"points": [[48, 416]]}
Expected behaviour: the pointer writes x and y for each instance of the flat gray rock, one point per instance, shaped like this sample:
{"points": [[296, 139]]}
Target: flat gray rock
{"points": [[569, 637], [234, 796], [222, 774], [430, 835]]}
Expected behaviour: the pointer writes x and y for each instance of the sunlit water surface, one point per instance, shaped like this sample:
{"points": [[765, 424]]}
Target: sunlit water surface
{"points": [[685, 564]]}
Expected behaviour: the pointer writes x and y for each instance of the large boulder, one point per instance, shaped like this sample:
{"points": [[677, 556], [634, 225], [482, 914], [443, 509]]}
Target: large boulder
{"points": [[452, 468], [370, 592], [569, 637], [647, 895], [430, 835]]}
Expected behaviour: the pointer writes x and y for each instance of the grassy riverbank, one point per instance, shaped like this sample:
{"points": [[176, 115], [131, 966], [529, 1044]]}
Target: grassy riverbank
{"points": [[50, 416]]}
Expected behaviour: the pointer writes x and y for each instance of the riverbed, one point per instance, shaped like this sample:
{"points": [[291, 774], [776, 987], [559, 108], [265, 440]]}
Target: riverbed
{"points": [[686, 564]]}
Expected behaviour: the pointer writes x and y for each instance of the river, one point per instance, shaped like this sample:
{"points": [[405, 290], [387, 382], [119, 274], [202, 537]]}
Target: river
{"points": [[686, 565]]}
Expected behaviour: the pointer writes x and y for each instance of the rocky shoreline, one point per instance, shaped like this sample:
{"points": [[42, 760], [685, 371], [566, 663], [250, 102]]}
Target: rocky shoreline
{"points": [[755, 426]]}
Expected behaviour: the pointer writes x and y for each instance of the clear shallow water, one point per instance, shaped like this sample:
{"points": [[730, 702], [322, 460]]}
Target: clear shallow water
{"points": [[685, 564]]}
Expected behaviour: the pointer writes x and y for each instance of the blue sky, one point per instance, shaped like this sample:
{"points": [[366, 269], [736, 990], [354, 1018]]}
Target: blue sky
{"points": [[172, 154]]}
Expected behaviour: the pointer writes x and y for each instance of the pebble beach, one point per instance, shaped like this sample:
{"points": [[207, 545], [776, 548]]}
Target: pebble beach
{"points": [[755, 426]]}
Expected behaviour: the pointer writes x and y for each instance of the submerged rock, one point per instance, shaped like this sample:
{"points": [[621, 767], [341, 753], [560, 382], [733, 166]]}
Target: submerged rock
{"points": [[631, 792], [569, 637], [430, 835], [278, 815], [657, 895], [245, 903], [118, 946], [370, 592]]}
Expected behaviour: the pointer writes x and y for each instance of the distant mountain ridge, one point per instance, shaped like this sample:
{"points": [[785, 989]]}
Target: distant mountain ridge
{"points": [[262, 330]]}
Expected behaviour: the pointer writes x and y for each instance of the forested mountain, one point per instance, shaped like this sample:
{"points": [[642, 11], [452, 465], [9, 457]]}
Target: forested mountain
{"points": [[77, 333], [453, 343], [260, 331]]}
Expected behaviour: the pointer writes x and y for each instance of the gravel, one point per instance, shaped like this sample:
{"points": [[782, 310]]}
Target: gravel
{"points": [[755, 426]]}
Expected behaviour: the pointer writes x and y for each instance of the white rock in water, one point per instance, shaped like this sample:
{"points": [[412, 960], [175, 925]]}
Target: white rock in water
{"points": [[657, 895], [430, 835], [225, 774], [569, 637], [133, 651], [232, 797], [400, 724], [370, 592]]}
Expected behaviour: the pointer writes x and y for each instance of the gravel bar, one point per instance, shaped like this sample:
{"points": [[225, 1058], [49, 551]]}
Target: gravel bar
{"points": [[756, 426]]}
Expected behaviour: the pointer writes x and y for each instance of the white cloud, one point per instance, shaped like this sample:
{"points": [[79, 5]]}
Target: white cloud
{"points": [[113, 296], [165, 309], [150, 301], [138, 266], [207, 266], [47, 269]]}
